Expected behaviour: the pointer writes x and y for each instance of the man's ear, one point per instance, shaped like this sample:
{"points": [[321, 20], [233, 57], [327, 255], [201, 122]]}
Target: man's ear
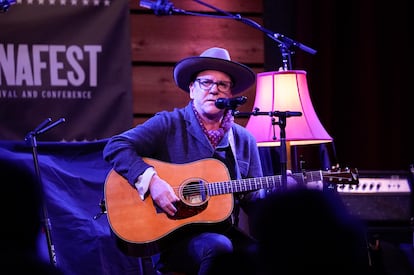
{"points": [[191, 88]]}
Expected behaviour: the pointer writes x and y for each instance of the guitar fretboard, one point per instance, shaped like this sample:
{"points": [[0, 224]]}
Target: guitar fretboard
{"points": [[268, 182]]}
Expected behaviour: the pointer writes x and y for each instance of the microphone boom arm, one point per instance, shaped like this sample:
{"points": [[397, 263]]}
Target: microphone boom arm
{"points": [[164, 7], [285, 43]]}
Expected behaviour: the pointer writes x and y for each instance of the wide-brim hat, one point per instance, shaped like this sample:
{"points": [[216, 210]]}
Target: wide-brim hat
{"points": [[217, 59]]}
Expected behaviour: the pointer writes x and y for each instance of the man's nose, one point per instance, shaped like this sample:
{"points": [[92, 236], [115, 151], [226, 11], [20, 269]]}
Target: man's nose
{"points": [[214, 88]]}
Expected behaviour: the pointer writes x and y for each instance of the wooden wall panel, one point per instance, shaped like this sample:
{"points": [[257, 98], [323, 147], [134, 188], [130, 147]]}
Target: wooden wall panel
{"points": [[169, 39], [156, 91], [158, 42]]}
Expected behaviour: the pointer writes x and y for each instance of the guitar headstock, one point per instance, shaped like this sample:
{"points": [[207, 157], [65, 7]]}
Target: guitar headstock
{"points": [[341, 175]]}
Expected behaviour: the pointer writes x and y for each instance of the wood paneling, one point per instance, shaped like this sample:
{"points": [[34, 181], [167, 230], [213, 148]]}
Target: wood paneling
{"points": [[154, 90], [158, 42], [169, 39]]}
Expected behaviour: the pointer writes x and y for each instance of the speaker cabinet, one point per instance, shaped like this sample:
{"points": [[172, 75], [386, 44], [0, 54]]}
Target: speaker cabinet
{"points": [[379, 197], [383, 201]]}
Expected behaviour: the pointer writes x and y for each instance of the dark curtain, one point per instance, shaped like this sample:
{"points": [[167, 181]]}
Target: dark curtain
{"points": [[359, 79], [73, 177]]}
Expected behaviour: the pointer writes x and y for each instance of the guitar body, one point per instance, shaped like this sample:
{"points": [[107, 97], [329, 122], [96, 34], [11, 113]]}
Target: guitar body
{"points": [[142, 229], [206, 202]]}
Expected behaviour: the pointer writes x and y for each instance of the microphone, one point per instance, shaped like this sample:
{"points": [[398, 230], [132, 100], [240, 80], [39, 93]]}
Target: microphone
{"points": [[230, 103], [5, 4], [161, 7]]}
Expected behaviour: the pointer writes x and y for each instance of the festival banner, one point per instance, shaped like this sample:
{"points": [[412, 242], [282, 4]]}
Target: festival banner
{"points": [[65, 61]]}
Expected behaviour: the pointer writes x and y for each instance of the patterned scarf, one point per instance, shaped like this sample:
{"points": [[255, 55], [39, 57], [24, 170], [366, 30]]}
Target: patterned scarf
{"points": [[214, 136]]}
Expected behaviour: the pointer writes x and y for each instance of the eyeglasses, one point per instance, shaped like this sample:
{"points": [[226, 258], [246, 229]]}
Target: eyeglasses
{"points": [[222, 86]]}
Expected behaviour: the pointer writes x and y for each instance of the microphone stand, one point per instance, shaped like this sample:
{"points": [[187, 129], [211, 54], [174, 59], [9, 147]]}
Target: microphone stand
{"points": [[31, 138], [282, 125], [285, 44]]}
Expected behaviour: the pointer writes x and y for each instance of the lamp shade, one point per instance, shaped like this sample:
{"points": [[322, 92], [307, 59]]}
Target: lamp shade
{"points": [[284, 91]]}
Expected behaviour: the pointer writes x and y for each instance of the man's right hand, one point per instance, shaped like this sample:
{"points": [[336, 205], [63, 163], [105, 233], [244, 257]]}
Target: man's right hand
{"points": [[163, 195]]}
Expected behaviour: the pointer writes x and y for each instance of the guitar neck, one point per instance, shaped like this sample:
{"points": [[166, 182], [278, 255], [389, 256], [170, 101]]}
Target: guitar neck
{"points": [[268, 182]]}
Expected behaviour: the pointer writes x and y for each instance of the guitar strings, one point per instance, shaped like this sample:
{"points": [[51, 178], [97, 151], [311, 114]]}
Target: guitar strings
{"points": [[242, 184]]}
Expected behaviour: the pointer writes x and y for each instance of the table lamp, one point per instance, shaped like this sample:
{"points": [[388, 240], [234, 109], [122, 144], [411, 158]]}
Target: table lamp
{"points": [[279, 92]]}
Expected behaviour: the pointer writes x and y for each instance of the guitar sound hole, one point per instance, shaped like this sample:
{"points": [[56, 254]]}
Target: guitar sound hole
{"points": [[194, 199], [194, 193]]}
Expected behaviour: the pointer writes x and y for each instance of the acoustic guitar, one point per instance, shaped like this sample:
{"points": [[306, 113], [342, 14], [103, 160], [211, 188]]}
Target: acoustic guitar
{"points": [[206, 201]]}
